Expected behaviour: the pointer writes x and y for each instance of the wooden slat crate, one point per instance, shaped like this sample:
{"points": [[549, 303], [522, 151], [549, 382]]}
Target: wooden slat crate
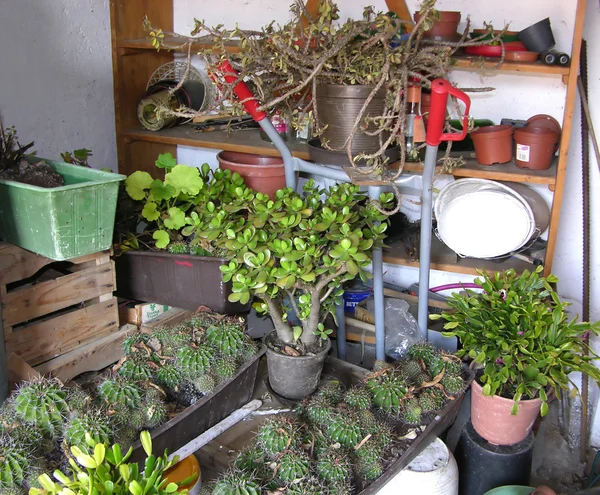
{"points": [[56, 312]]}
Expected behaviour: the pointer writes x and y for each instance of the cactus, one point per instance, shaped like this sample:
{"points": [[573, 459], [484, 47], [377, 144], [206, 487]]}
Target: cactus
{"points": [[330, 392], [368, 458], [193, 362], [154, 408], [120, 392], [248, 351], [14, 490], [204, 383], [370, 470], [78, 399], [228, 339], [430, 356], [135, 371], [42, 403], [14, 464], [412, 412], [251, 459], [381, 365], [225, 367], [431, 399], [93, 422], [333, 466], [318, 411], [27, 436], [387, 392], [168, 376], [305, 487], [453, 384], [412, 372], [131, 340], [178, 248], [345, 430], [340, 488], [276, 435], [172, 338], [453, 368], [293, 467], [35, 470], [197, 250], [358, 398], [236, 483]]}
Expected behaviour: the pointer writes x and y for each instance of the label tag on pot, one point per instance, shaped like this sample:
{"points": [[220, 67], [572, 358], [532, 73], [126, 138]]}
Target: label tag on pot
{"points": [[522, 152]]}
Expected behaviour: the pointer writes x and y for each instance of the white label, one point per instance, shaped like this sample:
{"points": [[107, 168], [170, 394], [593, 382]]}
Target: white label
{"points": [[522, 152]]}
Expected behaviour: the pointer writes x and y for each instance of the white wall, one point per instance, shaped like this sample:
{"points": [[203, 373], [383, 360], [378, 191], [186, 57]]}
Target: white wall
{"points": [[56, 76]]}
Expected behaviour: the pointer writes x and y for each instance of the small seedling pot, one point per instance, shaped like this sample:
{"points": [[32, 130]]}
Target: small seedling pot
{"points": [[538, 37], [493, 144], [535, 147]]}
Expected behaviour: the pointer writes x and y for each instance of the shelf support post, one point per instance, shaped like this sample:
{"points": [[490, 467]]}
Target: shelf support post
{"points": [[377, 263]]}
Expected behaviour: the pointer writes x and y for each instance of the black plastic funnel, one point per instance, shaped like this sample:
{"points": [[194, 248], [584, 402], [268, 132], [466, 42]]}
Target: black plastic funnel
{"points": [[538, 37]]}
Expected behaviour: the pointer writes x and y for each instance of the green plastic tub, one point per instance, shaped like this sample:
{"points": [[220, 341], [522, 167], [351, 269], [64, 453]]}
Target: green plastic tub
{"points": [[63, 222]]}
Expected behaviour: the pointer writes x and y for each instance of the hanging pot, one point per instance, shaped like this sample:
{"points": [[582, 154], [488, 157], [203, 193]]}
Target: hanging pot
{"points": [[265, 174], [492, 418], [535, 147], [493, 144]]}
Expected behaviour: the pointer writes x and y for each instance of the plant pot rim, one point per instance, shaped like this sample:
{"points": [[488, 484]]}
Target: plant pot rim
{"points": [[486, 130], [231, 157], [146, 252], [533, 130], [323, 350]]}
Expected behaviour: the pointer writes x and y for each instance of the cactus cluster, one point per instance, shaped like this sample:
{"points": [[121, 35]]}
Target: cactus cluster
{"points": [[358, 398], [193, 362], [227, 339], [42, 404], [94, 422], [277, 435], [387, 391], [15, 464], [293, 467]]}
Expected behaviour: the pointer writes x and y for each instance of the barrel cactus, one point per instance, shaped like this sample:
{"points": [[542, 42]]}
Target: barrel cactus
{"points": [[236, 483], [345, 430], [117, 391], [412, 372], [431, 399], [204, 383], [228, 339], [131, 341], [453, 384], [135, 370], [331, 392], [42, 403], [318, 411], [387, 392], [193, 362], [333, 466], [368, 461], [93, 422], [14, 464], [226, 367], [412, 414], [251, 459], [154, 409], [168, 376], [78, 399], [358, 398], [276, 435], [430, 356], [293, 467]]}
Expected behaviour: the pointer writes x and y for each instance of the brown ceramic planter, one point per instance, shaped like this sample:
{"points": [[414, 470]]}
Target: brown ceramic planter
{"points": [[446, 25], [265, 174], [493, 144], [535, 147], [492, 419]]}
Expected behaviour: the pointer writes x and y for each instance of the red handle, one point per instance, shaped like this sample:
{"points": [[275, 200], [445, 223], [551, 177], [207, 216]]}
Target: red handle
{"points": [[242, 91], [440, 89]]}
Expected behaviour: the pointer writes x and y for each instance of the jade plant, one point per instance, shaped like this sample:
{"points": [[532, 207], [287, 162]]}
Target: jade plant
{"points": [[519, 332]]}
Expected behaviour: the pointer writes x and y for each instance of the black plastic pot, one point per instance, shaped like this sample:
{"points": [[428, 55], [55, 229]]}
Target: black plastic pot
{"points": [[538, 37], [294, 377], [179, 280]]}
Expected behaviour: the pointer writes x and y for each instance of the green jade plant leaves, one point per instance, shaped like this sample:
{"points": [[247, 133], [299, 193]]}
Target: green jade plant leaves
{"points": [[294, 251], [518, 330]]}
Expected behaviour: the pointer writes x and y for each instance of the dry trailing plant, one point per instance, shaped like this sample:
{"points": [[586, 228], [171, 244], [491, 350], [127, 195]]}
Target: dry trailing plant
{"points": [[284, 64]]}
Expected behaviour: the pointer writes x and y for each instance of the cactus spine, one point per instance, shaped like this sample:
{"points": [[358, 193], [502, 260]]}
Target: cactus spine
{"points": [[42, 403], [333, 466], [276, 435], [193, 362], [358, 398], [14, 464], [227, 339], [93, 422], [293, 467]]}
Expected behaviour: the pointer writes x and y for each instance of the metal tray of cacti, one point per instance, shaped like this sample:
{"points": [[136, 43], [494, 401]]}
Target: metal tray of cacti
{"points": [[350, 374], [207, 412]]}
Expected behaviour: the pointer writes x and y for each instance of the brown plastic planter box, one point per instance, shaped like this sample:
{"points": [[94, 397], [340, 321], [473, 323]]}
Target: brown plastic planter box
{"points": [[205, 413], [177, 280]]}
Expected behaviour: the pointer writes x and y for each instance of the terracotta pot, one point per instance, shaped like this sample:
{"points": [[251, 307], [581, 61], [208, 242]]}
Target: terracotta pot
{"points": [[493, 144], [265, 174], [535, 147], [446, 25], [425, 105], [492, 419]]}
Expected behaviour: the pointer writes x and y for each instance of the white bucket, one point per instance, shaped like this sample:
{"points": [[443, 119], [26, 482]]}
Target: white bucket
{"points": [[480, 218], [432, 472]]}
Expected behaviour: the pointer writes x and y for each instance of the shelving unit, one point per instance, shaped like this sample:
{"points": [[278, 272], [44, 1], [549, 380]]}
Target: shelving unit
{"points": [[134, 60]]}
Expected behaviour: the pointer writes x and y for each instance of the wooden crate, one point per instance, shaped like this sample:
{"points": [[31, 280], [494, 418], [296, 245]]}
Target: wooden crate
{"points": [[57, 313]]}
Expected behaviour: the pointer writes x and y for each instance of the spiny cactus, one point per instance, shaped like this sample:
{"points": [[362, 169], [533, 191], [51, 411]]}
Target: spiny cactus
{"points": [[21, 433], [154, 408], [36, 469], [204, 383], [412, 413], [228, 338], [178, 248], [14, 464], [412, 372], [14, 490], [293, 467], [131, 340], [431, 399], [135, 371], [248, 351], [236, 483], [318, 411], [276, 434], [225, 367], [367, 421], [380, 365], [331, 392], [305, 487], [333, 466], [339, 488], [93, 422], [368, 461], [193, 362], [251, 459], [120, 392], [197, 250], [42, 403], [369, 470], [171, 338], [168, 376], [78, 400], [386, 392], [453, 368], [345, 430], [430, 356], [453, 384], [359, 398]]}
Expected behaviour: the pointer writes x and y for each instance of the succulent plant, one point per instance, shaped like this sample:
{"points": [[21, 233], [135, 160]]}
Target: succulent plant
{"points": [[276, 435], [367, 421], [154, 408], [93, 422], [78, 399], [135, 370], [368, 458], [412, 412], [412, 372], [331, 392], [318, 411], [21, 433], [117, 391], [178, 248], [14, 490], [171, 338], [380, 365], [36, 469], [42, 403], [228, 339], [193, 362], [387, 392], [453, 384], [293, 467], [333, 466], [358, 398], [340, 488], [431, 399], [345, 430], [168, 376], [204, 383], [453, 367], [236, 483], [197, 250], [369, 470], [305, 487], [225, 367], [131, 340], [14, 464], [249, 350], [251, 459]]}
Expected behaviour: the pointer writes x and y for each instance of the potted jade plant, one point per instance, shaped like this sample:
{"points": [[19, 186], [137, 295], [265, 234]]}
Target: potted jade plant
{"points": [[293, 253], [155, 260], [519, 334], [353, 76]]}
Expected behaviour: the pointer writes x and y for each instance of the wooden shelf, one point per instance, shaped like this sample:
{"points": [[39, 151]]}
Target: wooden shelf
{"points": [[245, 141], [172, 44], [444, 259], [490, 64]]}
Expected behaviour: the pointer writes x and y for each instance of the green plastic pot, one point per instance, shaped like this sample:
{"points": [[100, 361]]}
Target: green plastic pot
{"points": [[511, 490], [61, 222]]}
